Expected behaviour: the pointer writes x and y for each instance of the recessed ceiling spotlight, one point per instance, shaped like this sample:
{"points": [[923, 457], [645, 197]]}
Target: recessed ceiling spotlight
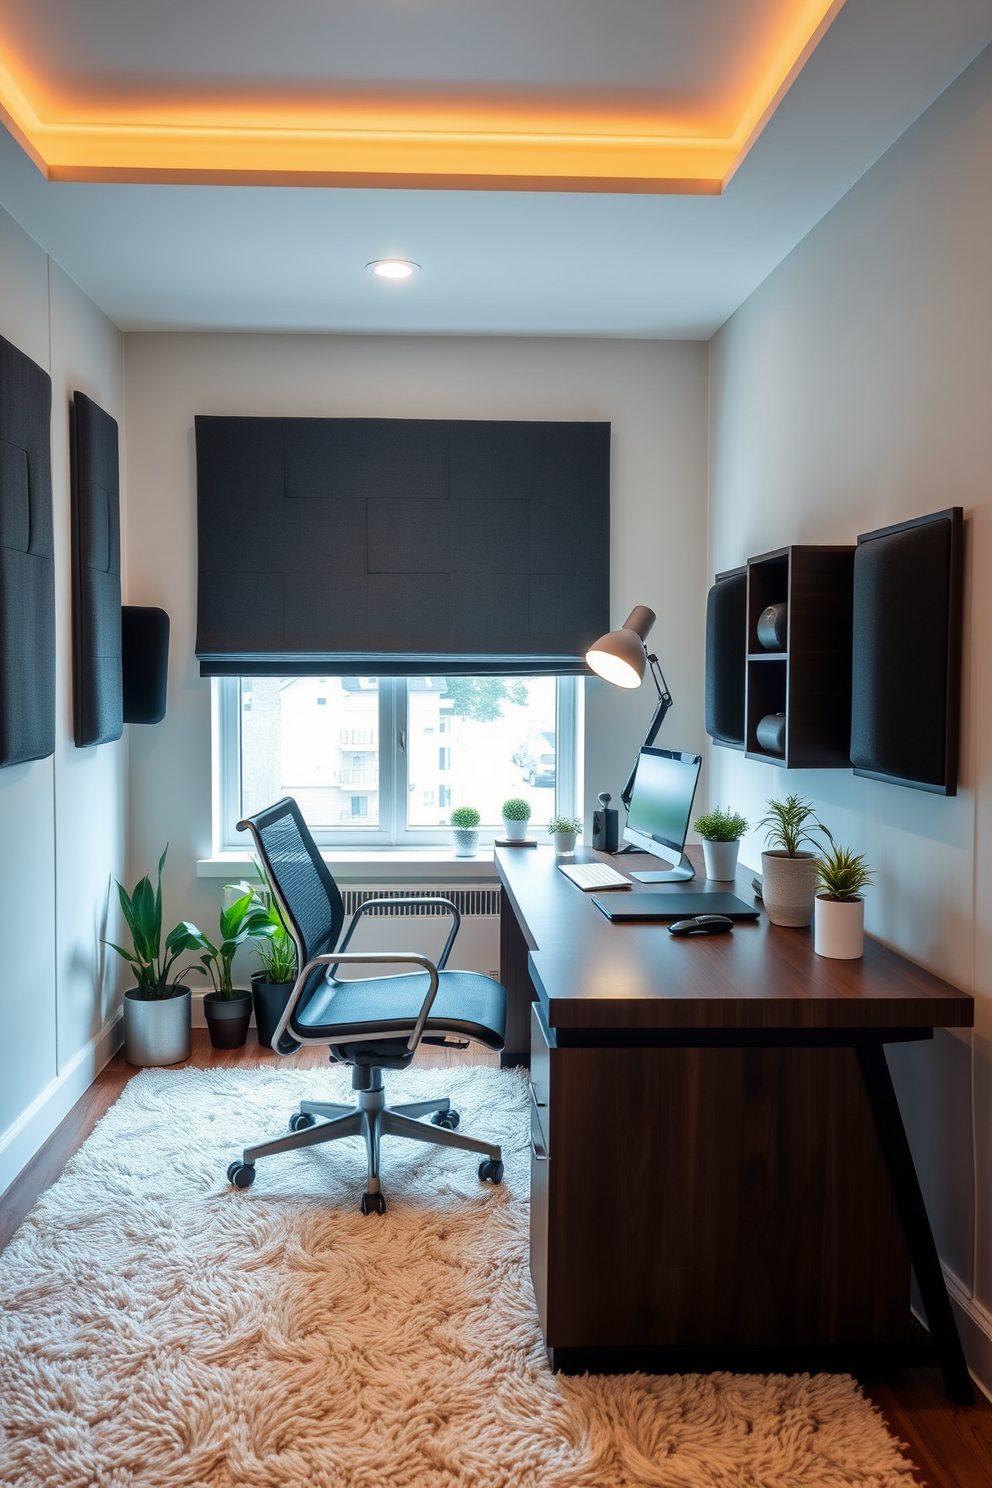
{"points": [[393, 268]]}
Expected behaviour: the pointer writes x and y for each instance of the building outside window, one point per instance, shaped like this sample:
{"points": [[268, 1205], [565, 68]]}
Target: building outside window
{"points": [[359, 753]]}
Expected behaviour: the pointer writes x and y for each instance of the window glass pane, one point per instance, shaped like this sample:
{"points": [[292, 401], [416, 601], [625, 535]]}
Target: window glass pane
{"points": [[498, 741], [314, 738]]}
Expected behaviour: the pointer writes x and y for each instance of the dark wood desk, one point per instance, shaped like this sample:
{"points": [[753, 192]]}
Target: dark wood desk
{"points": [[720, 1173]]}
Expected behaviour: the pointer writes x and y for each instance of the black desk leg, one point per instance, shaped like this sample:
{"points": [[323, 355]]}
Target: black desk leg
{"points": [[915, 1222]]}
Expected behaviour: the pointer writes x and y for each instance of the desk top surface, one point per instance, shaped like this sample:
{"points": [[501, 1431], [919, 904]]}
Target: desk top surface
{"points": [[591, 973]]}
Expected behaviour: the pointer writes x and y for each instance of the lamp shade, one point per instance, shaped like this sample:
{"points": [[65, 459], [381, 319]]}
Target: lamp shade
{"points": [[619, 656]]}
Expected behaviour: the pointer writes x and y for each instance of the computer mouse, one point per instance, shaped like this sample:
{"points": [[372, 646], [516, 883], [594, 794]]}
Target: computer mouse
{"points": [[711, 924]]}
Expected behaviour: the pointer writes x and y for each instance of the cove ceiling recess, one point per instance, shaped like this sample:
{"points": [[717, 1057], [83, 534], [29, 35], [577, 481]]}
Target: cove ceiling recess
{"points": [[574, 95]]}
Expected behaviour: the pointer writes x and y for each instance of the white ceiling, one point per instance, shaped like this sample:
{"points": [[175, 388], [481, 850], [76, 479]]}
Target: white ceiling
{"points": [[198, 257], [106, 49]]}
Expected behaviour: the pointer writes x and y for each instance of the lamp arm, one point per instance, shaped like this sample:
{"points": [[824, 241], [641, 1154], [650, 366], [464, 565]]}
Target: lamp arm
{"points": [[654, 727]]}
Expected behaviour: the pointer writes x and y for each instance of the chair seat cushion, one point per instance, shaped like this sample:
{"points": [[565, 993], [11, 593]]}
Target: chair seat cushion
{"points": [[467, 1005]]}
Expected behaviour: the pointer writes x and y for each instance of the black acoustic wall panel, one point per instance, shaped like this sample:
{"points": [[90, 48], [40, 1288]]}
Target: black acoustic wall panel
{"points": [[145, 648], [27, 563], [97, 703], [907, 653], [396, 545], [726, 658]]}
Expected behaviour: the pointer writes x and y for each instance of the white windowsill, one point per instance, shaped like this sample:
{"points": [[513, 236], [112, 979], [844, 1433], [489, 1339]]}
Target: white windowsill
{"points": [[362, 865]]}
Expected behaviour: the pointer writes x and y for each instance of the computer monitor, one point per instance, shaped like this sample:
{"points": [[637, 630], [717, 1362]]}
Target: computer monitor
{"points": [[660, 806]]}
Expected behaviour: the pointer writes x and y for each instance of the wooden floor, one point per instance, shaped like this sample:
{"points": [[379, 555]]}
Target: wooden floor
{"points": [[950, 1445]]}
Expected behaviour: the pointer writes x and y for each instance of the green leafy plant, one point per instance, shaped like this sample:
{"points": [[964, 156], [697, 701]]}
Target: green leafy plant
{"points": [[276, 947], [842, 874], [720, 826], [565, 824], [465, 818], [246, 919], [152, 964], [786, 825], [515, 809]]}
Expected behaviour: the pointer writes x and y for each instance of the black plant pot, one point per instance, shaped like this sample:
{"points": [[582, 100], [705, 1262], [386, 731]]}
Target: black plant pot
{"points": [[227, 1018], [270, 999]]}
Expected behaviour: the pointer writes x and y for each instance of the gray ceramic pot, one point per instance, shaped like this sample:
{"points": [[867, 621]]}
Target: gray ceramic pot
{"points": [[228, 1018], [158, 1031], [788, 887]]}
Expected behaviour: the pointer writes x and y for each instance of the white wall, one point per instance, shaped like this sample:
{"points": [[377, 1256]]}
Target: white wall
{"points": [[850, 391], [654, 394], [61, 819]]}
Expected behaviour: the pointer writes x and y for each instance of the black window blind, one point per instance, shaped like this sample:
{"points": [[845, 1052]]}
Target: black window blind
{"points": [[399, 546]]}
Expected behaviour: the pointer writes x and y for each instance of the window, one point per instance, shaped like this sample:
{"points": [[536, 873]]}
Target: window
{"points": [[365, 766]]}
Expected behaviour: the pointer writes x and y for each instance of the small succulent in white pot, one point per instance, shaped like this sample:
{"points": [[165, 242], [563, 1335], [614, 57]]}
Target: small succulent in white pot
{"points": [[839, 915], [564, 830], [721, 832], [788, 874], [464, 822], [516, 815]]}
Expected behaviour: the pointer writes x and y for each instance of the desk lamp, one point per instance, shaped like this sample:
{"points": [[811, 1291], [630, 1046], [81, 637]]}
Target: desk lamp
{"points": [[621, 657]]}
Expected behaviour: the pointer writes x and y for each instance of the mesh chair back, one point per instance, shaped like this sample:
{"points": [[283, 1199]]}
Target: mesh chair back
{"points": [[299, 874]]}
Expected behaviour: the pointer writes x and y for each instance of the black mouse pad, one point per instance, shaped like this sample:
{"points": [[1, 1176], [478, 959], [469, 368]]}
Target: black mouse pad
{"points": [[668, 906]]}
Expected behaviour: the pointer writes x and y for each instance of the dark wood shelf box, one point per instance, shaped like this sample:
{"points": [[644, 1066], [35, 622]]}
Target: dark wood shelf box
{"points": [[811, 681]]}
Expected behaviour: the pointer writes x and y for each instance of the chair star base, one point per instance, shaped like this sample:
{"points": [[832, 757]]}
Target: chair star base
{"points": [[371, 1119]]}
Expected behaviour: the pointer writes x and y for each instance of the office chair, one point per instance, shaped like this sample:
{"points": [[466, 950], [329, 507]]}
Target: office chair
{"points": [[374, 1023]]}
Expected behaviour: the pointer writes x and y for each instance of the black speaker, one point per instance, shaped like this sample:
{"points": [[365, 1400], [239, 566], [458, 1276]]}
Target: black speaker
{"points": [[906, 687], [726, 657], [144, 662], [606, 830]]}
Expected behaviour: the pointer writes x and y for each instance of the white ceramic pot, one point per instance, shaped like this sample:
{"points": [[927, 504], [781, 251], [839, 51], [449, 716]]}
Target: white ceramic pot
{"points": [[788, 887], [839, 928], [564, 843], [720, 859], [466, 841], [157, 1031], [515, 831]]}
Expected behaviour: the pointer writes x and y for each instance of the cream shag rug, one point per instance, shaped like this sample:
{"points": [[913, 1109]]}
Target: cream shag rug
{"points": [[160, 1329]]}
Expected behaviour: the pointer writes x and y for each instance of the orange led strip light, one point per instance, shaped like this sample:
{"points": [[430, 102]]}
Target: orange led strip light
{"points": [[399, 144]]}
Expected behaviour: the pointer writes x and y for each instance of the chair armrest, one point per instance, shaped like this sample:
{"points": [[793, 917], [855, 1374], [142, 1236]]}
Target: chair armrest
{"points": [[437, 902], [374, 958]]}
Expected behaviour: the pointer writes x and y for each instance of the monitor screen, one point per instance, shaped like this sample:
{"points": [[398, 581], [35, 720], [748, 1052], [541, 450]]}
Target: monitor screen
{"points": [[664, 787]]}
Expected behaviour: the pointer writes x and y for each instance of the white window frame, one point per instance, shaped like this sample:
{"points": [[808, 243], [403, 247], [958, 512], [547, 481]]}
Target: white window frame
{"points": [[392, 830]]}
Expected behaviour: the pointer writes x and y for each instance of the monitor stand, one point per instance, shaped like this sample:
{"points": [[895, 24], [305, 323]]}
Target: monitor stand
{"points": [[679, 874]]}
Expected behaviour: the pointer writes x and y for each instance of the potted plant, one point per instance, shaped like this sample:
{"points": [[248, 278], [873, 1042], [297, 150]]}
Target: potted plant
{"points": [[564, 830], [516, 815], [228, 1008], [721, 833], [157, 1019], [270, 988], [788, 874], [839, 918], [465, 821]]}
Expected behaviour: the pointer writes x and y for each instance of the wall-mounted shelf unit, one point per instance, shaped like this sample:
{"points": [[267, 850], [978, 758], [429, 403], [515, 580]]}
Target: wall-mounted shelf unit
{"points": [[810, 682], [726, 653]]}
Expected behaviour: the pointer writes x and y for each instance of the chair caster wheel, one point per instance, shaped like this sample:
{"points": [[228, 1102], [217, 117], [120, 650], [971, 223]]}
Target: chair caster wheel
{"points": [[448, 1119], [493, 1171], [373, 1203], [301, 1120], [242, 1175]]}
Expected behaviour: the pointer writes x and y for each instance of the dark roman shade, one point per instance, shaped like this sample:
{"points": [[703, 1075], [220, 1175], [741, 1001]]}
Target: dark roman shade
{"points": [[97, 711], [399, 547], [27, 560]]}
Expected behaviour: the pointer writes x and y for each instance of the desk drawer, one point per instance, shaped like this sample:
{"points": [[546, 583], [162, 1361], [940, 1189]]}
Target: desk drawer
{"points": [[540, 1058]]}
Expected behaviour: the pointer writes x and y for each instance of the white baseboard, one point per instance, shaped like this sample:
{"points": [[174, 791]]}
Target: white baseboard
{"points": [[975, 1326], [31, 1130]]}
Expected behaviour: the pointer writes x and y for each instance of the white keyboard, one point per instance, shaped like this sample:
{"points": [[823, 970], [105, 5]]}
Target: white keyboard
{"points": [[594, 876]]}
